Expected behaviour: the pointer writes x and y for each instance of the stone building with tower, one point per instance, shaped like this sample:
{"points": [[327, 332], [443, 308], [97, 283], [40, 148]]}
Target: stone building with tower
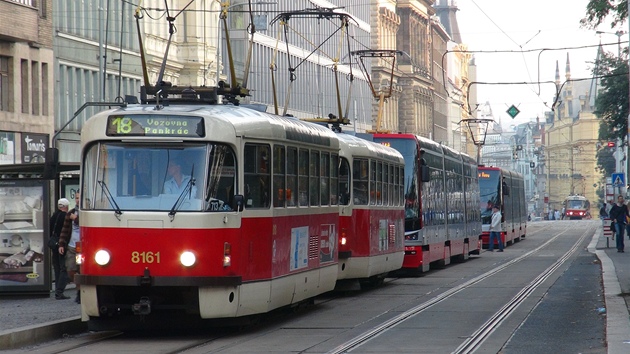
{"points": [[571, 137]]}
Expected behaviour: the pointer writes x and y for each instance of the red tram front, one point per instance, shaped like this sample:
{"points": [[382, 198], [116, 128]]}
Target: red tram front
{"points": [[213, 212]]}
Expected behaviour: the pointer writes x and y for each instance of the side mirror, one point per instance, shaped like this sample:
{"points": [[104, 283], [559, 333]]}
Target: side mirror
{"points": [[51, 164], [238, 202], [425, 175]]}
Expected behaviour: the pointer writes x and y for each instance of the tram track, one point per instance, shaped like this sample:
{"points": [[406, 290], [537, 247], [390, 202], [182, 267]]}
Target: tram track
{"points": [[477, 338]]}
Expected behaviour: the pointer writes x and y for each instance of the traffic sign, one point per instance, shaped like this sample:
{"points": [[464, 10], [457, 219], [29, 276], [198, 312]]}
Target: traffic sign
{"points": [[618, 179], [513, 111]]}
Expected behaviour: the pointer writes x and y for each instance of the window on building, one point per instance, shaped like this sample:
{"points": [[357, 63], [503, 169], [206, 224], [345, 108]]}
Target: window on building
{"points": [[4, 84]]}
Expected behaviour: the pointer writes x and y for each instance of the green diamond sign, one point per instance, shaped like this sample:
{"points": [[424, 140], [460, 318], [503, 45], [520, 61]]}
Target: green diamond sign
{"points": [[513, 111]]}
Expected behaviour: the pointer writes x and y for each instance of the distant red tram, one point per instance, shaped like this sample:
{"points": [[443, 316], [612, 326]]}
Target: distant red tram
{"points": [[577, 207]]}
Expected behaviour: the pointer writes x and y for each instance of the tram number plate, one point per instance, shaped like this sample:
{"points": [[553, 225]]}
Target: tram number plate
{"points": [[145, 257]]}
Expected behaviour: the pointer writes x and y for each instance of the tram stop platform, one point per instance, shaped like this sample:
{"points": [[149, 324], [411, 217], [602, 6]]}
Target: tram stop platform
{"points": [[25, 321]]}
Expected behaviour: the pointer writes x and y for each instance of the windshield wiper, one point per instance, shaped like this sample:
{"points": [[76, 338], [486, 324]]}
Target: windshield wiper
{"points": [[182, 195], [110, 199]]}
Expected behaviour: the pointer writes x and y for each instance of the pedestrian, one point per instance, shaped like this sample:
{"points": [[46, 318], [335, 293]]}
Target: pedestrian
{"points": [[618, 214], [556, 214], [495, 229], [603, 213], [59, 260], [68, 238]]}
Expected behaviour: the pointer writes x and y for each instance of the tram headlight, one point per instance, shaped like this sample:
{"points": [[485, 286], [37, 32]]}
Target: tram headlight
{"points": [[102, 257], [187, 259]]}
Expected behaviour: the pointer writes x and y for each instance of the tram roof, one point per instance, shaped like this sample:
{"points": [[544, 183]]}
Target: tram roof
{"points": [[356, 146], [225, 123]]}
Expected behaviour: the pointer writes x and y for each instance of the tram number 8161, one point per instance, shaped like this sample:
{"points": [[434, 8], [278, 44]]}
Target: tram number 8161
{"points": [[145, 257]]}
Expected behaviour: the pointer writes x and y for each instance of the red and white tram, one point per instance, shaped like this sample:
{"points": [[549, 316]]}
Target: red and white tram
{"points": [[252, 227], [371, 210], [506, 189], [441, 197], [577, 207]]}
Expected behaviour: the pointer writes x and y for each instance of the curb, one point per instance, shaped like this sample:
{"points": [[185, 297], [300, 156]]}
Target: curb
{"points": [[16, 338], [617, 323]]}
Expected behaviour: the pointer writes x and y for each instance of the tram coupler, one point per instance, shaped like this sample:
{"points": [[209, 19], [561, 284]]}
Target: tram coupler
{"points": [[145, 279], [143, 307]]}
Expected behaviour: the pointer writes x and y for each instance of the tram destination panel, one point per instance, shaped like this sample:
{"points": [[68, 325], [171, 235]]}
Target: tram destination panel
{"points": [[155, 125]]}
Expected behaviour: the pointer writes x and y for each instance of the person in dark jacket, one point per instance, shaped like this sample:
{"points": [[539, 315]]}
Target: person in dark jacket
{"points": [[59, 260], [618, 214], [68, 238]]}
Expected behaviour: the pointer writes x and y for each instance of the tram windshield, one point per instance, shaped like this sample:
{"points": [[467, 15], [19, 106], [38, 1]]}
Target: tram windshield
{"points": [[408, 149], [186, 177], [576, 204], [489, 189]]}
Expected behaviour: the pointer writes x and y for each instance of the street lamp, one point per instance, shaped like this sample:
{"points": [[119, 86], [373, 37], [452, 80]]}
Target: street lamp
{"points": [[618, 34], [478, 128]]}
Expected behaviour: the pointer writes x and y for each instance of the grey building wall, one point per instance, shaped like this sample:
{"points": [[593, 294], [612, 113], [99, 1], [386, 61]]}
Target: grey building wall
{"points": [[97, 60]]}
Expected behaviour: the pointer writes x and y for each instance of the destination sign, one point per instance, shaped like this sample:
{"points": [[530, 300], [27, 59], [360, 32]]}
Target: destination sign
{"points": [[155, 125], [484, 175]]}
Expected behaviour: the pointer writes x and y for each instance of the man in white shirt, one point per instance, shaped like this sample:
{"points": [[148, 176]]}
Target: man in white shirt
{"points": [[495, 229]]}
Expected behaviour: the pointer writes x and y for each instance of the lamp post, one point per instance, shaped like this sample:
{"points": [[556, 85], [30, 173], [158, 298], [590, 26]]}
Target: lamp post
{"points": [[478, 128], [618, 34]]}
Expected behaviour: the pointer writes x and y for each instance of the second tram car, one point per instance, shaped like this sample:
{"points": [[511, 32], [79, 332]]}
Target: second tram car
{"points": [[371, 210], [577, 207], [506, 189], [441, 196]]}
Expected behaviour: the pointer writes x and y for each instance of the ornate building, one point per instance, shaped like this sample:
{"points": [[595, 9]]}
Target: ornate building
{"points": [[571, 142], [415, 113]]}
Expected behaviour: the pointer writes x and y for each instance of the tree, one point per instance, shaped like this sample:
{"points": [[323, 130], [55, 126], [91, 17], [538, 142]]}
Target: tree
{"points": [[597, 11], [612, 101]]}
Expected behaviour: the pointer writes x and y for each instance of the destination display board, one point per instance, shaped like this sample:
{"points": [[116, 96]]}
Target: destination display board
{"points": [[155, 125]]}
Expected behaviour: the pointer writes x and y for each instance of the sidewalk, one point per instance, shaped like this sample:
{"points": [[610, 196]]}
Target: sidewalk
{"points": [[26, 320], [616, 278]]}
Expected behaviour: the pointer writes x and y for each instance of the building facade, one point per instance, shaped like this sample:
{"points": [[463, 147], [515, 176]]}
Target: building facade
{"points": [[26, 79], [571, 142]]}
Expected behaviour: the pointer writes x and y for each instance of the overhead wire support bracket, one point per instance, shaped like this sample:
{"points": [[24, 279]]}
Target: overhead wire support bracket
{"points": [[381, 95], [317, 13]]}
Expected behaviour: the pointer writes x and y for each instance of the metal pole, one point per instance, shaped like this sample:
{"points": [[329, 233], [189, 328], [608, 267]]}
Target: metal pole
{"points": [[628, 122]]}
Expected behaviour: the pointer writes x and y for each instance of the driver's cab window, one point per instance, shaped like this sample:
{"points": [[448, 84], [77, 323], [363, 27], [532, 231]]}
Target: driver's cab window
{"points": [[122, 176]]}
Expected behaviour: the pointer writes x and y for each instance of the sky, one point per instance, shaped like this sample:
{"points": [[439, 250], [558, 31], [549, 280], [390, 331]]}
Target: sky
{"points": [[499, 25]]}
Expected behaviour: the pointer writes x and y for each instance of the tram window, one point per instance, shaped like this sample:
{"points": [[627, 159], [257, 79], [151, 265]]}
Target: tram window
{"points": [[344, 182], [279, 176], [391, 185], [257, 186], [292, 175], [314, 179], [324, 169], [379, 183], [303, 178], [334, 179], [360, 179], [401, 183], [221, 180], [373, 180]]}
